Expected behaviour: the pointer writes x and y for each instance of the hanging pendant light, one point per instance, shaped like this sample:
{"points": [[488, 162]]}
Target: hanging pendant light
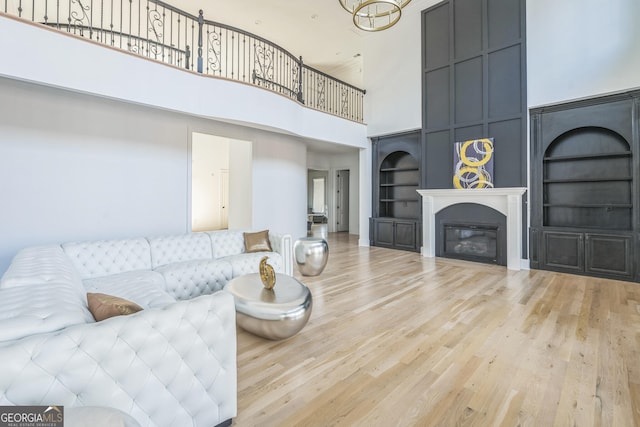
{"points": [[374, 15]]}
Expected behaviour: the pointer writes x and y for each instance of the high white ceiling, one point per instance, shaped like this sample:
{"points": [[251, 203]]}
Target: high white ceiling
{"points": [[320, 31]]}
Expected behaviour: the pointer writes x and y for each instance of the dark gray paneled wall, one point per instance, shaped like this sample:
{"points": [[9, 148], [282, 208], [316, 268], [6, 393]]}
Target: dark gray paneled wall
{"points": [[474, 86]]}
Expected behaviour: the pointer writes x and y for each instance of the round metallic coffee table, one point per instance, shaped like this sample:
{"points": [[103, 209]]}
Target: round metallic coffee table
{"points": [[274, 314]]}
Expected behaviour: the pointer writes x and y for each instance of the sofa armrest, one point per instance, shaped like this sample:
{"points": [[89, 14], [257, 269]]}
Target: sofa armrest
{"points": [[283, 244], [36, 265], [172, 366]]}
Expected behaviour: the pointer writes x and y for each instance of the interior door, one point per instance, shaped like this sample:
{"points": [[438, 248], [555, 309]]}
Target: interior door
{"points": [[224, 198], [342, 200]]}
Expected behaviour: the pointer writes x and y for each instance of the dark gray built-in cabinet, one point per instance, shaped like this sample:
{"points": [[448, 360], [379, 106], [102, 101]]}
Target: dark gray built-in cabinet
{"points": [[584, 187], [396, 220]]}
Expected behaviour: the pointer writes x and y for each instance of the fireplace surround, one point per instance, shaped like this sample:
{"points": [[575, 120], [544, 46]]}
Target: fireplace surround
{"points": [[507, 201]]}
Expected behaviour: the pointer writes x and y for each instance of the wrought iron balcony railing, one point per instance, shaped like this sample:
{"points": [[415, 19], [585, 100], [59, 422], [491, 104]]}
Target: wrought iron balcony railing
{"points": [[162, 32]]}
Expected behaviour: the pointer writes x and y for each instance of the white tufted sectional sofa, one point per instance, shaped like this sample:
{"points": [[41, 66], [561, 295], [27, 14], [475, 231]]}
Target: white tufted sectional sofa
{"points": [[171, 364]]}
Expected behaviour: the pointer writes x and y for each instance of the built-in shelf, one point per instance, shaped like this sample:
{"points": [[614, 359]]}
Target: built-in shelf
{"points": [[578, 180], [588, 156], [591, 205], [410, 169], [592, 194], [398, 181]]}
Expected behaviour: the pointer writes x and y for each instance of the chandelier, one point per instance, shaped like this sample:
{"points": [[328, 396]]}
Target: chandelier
{"points": [[374, 15]]}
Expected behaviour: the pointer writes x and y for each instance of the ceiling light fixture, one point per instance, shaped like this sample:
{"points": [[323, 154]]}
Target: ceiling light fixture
{"points": [[374, 15]]}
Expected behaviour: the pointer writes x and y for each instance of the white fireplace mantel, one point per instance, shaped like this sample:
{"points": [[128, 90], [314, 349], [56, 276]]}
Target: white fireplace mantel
{"points": [[507, 201]]}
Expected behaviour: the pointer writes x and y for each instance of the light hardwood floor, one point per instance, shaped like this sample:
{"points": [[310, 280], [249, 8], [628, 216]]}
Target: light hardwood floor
{"points": [[396, 339]]}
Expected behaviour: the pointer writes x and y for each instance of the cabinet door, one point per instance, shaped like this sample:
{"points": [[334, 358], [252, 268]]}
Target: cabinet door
{"points": [[396, 234], [383, 232], [405, 235], [563, 250], [608, 254]]}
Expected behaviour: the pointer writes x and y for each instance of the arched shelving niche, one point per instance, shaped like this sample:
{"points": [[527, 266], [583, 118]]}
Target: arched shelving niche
{"points": [[399, 180], [587, 180]]}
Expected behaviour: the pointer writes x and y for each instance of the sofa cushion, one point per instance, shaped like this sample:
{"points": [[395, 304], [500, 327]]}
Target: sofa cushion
{"points": [[145, 288], [103, 306], [189, 279], [257, 242], [40, 308], [184, 247], [250, 263], [41, 264], [106, 257]]}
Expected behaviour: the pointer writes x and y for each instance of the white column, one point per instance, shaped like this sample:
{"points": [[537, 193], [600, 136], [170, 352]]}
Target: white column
{"points": [[428, 227], [514, 231]]}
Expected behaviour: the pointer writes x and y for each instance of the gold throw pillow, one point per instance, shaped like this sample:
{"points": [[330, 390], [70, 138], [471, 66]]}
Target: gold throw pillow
{"points": [[257, 242], [104, 306]]}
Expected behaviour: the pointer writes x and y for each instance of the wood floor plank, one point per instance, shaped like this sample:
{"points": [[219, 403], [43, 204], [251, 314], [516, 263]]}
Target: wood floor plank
{"points": [[395, 339]]}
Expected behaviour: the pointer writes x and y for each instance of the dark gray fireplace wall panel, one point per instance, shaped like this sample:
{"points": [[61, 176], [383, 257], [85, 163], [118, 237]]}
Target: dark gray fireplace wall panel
{"points": [[474, 86]]}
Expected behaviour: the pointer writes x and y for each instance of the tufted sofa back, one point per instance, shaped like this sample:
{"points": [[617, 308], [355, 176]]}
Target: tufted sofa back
{"points": [[226, 242], [107, 257], [183, 247]]}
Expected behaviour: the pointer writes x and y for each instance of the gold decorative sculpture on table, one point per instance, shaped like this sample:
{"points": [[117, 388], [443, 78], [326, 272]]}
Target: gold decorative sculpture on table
{"points": [[267, 274]]}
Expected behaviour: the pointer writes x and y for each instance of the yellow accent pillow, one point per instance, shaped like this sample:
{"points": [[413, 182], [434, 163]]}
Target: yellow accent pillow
{"points": [[257, 242], [104, 306]]}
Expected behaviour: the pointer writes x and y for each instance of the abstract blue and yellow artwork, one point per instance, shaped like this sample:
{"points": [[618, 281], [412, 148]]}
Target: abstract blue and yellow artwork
{"points": [[473, 163]]}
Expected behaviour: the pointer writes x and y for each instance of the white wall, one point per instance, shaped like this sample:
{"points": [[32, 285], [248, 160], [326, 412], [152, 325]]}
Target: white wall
{"points": [[280, 185], [76, 167], [79, 167], [392, 74], [240, 184], [581, 48]]}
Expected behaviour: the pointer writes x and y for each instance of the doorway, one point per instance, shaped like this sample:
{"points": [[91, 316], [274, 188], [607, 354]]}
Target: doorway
{"points": [[221, 196], [209, 202], [342, 200], [317, 211]]}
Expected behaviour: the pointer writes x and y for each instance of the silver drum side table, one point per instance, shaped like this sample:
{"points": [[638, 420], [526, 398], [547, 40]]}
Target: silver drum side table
{"points": [[311, 254]]}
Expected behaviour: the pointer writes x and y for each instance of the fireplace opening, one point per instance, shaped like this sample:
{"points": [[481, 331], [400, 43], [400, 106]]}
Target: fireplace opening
{"points": [[471, 242], [472, 232]]}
